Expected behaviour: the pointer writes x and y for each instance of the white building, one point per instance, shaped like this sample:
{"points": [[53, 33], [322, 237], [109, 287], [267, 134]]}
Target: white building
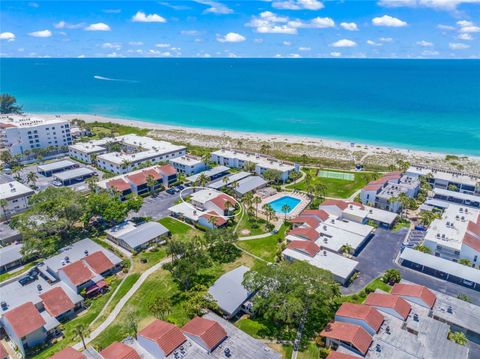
{"points": [[20, 133], [16, 196], [238, 159], [444, 179], [456, 235], [188, 165], [136, 150]]}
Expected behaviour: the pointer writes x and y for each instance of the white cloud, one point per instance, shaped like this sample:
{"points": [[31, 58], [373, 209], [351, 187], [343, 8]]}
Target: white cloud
{"points": [[470, 29], [135, 43], [41, 33], [294, 56], [99, 26], [268, 22], [258, 41], [344, 43], [231, 37], [115, 54], [386, 39], [154, 52], [297, 4], [190, 32], [215, 7], [458, 46], [387, 20], [424, 43], [111, 45], [162, 45], [304, 48], [373, 43], [465, 36], [445, 27], [65, 25], [435, 4], [287, 43], [430, 53], [9, 36], [140, 16], [350, 26], [335, 54]]}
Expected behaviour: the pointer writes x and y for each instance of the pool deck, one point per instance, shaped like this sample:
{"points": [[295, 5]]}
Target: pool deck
{"points": [[304, 201]]}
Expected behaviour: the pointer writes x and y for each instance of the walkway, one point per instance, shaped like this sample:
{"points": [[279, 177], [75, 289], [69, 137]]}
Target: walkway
{"points": [[116, 311]]}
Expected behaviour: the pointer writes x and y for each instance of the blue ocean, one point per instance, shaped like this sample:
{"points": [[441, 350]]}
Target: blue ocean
{"points": [[431, 105]]}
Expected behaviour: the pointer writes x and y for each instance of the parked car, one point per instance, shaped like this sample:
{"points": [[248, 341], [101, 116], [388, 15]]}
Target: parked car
{"points": [[170, 191]]}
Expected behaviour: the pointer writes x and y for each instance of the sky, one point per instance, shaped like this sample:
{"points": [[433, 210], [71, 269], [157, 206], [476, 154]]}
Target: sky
{"points": [[241, 28]]}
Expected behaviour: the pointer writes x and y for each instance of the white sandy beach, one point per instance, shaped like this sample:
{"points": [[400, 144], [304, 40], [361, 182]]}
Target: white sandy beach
{"points": [[312, 146]]}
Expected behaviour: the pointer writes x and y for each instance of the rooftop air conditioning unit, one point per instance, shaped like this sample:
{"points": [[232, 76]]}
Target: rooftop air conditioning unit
{"points": [[325, 253]]}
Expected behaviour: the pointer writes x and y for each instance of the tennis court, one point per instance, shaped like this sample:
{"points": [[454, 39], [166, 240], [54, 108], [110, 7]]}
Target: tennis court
{"points": [[337, 175]]}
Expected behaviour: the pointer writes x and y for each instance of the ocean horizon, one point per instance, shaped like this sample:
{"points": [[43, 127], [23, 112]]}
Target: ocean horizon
{"points": [[428, 105]]}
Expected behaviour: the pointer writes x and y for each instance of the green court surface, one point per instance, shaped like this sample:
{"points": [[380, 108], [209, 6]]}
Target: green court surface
{"points": [[337, 175]]}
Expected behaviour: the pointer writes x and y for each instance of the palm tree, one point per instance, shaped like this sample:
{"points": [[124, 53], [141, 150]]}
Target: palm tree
{"points": [[125, 164], [320, 190], [346, 249], [212, 220], [32, 178], [151, 182], [225, 180], [3, 205], [285, 210], [8, 104], [202, 180], [80, 331], [249, 166], [305, 159], [256, 200], [228, 205], [239, 144], [269, 212], [264, 148], [404, 203]]}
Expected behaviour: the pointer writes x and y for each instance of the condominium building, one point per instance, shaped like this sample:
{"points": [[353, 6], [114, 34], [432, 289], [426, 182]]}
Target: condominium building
{"points": [[456, 234], [16, 196], [437, 178], [239, 159], [136, 150], [20, 133], [188, 165], [384, 192]]}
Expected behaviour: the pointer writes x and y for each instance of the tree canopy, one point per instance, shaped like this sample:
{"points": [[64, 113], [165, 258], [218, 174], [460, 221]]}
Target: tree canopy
{"points": [[8, 104], [286, 292]]}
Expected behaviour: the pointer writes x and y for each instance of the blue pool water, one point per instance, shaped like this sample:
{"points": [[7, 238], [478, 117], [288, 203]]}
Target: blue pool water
{"points": [[285, 200]]}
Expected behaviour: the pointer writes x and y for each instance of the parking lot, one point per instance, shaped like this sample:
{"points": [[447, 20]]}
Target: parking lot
{"points": [[157, 206]]}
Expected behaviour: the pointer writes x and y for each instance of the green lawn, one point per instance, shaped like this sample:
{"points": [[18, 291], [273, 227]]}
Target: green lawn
{"points": [[175, 226], [26, 267], [84, 319], [337, 187], [401, 223], [362, 295], [253, 328], [253, 225], [265, 248]]}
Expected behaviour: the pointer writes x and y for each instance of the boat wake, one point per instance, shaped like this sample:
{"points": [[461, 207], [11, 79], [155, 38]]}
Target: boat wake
{"points": [[96, 77]]}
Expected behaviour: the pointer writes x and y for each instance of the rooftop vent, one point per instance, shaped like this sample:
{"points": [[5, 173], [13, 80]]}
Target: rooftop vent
{"points": [[39, 287], [85, 252], [415, 317], [67, 259]]}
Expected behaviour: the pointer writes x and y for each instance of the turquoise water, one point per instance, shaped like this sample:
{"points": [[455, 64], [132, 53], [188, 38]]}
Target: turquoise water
{"points": [[430, 105], [286, 200]]}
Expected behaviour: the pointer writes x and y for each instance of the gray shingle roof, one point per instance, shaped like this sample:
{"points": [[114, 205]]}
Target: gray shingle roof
{"points": [[10, 254], [228, 290], [143, 234], [56, 165], [249, 184]]}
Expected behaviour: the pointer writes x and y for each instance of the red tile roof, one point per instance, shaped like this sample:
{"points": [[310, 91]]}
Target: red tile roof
{"points": [[349, 333], [151, 172], [338, 355], [474, 228], [219, 221], [369, 315], [372, 187], [99, 262], [307, 233], [77, 272], [168, 170], [471, 241], [25, 319], [118, 184], [209, 331], [56, 301], [394, 302], [311, 221], [137, 178], [119, 351], [221, 199], [415, 290], [335, 202], [320, 214], [68, 353], [168, 336], [307, 247]]}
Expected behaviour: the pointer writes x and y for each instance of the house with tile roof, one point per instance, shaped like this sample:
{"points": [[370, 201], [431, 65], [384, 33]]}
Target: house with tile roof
{"points": [[161, 338], [205, 332], [367, 317], [415, 293], [352, 336], [68, 353], [390, 304], [119, 350], [57, 303], [25, 327]]}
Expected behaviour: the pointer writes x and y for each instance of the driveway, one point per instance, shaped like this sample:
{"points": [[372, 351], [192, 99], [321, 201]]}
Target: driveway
{"points": [[381, 253], [157, 207]]}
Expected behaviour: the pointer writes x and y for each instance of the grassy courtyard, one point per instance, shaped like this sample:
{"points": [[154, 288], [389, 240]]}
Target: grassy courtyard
{"points": [[265, 248], [339, 188]]}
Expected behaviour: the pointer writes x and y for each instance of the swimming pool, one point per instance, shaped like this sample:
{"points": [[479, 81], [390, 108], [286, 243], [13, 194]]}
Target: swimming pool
{"points": [[291, 202]]}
